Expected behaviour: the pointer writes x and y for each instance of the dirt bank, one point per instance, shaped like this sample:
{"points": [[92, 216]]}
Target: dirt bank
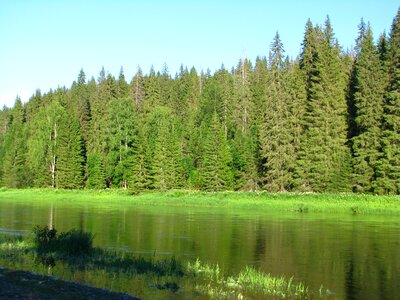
{"points": [[26, 285]]}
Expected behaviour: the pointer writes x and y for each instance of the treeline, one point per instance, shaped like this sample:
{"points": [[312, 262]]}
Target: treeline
{"points": [[328, 121]]}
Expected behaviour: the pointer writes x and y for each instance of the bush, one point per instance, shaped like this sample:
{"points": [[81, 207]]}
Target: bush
{"points": [[44, 238], [76, 242], [73, 242]]}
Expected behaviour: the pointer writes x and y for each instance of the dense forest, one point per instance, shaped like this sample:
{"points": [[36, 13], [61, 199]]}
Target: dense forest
{"points": [[328, 121]]}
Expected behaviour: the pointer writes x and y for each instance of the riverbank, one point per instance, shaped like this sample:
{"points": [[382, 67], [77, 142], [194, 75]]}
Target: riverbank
{"points": [[258, 201], [165, 278], [26, 285]]}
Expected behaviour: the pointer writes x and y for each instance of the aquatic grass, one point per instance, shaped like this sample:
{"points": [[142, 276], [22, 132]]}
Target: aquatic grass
{"points": [[13, 243], [249, 282]]}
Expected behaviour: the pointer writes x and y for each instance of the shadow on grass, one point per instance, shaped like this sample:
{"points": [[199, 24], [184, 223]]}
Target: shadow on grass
{"points": [[75, 248]]}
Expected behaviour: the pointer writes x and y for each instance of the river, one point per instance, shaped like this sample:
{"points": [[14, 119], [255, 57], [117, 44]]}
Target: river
{"points": [[353, 256]]}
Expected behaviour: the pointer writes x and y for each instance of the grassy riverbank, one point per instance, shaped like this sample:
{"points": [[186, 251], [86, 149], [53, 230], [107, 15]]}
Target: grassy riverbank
{"points": [[259, 201], [47, 251]]}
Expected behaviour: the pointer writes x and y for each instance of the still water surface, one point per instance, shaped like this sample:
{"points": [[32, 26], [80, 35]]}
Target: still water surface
{"points": [[355, 257]]}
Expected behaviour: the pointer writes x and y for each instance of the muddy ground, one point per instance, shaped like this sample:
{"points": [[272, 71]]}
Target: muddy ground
{"points": [[26, 285]]}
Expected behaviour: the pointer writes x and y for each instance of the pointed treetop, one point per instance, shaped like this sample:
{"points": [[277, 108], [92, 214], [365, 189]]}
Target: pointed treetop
{"points": [[395, 31], [328, 33], [81, 77], [152, 72], [18, 102], [362, 27], [121, 72], [382, 46], [365, 39], [139, 71], [165, 71], [277, 52], [102, 75]]}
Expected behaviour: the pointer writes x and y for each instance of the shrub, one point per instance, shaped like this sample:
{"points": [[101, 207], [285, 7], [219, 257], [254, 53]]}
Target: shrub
{"points": [[73, 242], [44, 238]]}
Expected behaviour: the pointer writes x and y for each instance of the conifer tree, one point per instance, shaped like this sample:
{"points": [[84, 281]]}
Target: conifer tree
{"points": [[215, 172], [243, 144], [153, 90], [83, 106], [388, 169], [276, 136], [120, 140], [139, 179], [14, 169], [70, 160], [96, 177], [368, 99], [323, 163], [137, 89], [122, 85]]}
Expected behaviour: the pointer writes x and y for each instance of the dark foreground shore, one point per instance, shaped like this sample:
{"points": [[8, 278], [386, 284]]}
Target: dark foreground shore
{"points": [[26, 285]]}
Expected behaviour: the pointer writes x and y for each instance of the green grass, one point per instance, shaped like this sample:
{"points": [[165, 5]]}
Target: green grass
{"points": [[249, 283], [257, 201], [167, 275]]}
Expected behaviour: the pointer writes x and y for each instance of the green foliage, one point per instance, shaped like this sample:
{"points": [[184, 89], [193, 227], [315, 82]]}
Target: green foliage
{"points": [[96, 178], [369, 85], [215, 171], [43, 142], [326, 121], [73, 242], [121, 136], [70, 162], [323, 148], [215, 284], [13, 150], [388, 168]]}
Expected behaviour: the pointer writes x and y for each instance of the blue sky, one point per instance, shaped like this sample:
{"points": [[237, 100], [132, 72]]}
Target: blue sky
{"points": [[44, 44]]}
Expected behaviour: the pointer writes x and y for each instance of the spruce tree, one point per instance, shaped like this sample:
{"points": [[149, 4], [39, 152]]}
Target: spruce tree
{"points": [[120, 140], [388, 168], [14, 168], [70, 159], [215, 172], [139, 180], [96, 177], [323, 163], [276, 136], [137, 89], [367, 99]]}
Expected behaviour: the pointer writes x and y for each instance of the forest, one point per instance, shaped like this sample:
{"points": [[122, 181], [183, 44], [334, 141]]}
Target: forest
{"points": [[327, 121]]}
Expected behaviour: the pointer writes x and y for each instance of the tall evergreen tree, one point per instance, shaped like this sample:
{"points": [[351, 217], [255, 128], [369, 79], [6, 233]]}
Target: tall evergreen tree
{"points": [[137, 89], [368, 99], [215, 172], [120, 140], [139, 179], [122, 85], [276, 136], [14, 168], [323, 163], [70, 159], [388, 169]]}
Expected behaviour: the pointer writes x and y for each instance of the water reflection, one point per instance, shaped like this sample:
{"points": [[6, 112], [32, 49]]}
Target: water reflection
{"points": [[355, 257]]}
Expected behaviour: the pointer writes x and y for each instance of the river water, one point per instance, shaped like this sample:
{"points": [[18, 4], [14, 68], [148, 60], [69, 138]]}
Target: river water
{"points": [[353, 257]]}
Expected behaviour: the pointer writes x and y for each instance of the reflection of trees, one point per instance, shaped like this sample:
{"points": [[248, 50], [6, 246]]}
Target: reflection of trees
{"points": [[350, 256], [51, 216], [350, 283]]}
